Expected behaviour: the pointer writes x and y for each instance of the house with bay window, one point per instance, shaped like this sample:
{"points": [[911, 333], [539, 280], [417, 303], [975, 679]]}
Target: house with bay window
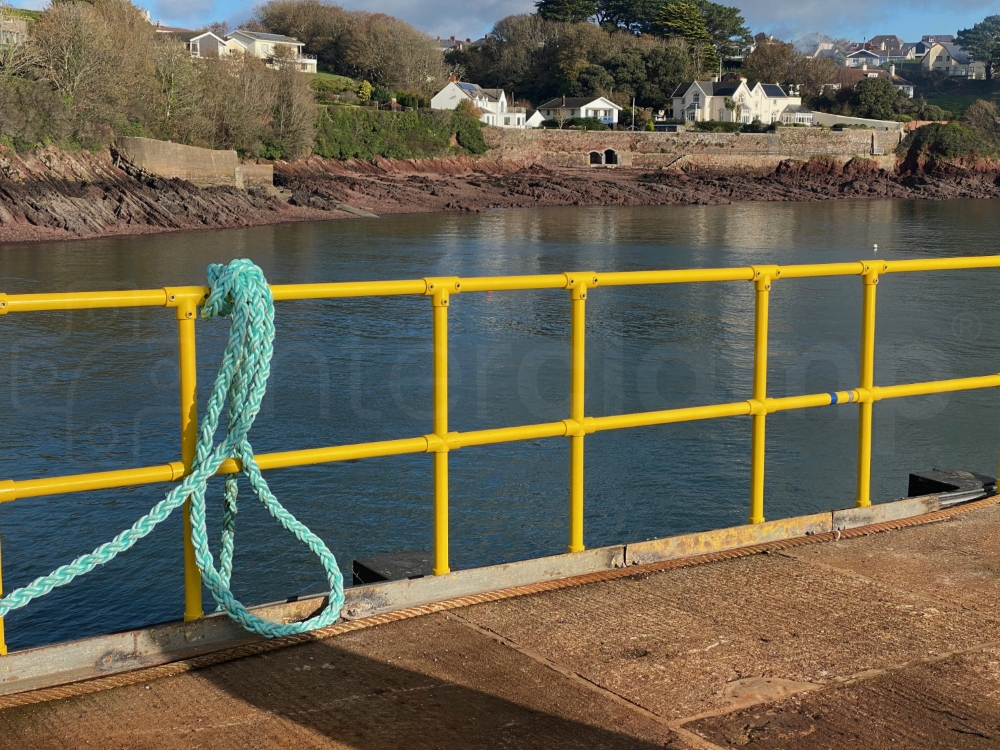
{"points": [[735, 101]]}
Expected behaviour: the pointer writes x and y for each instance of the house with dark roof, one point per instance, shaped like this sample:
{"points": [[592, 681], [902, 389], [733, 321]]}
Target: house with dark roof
{"points": [[492, 103], [277, 49], [734, 101], [846, 78], [952, 60]]}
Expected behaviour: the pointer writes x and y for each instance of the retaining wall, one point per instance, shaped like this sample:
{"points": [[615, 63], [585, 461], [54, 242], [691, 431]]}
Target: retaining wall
{"points": [[645, 150], [203, 167]]}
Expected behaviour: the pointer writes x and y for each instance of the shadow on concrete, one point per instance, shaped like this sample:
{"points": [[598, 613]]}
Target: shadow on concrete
{"points": [[368, 704]]}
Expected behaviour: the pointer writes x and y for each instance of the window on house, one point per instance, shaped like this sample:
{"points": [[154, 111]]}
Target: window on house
{"points": [[506, 121], [696, 97]]}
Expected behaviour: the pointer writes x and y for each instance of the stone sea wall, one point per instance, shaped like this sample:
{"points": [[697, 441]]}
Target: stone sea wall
{"points": [[728, 151]]}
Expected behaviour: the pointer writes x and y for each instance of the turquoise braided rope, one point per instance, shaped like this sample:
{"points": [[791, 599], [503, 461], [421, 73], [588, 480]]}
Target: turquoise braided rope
{"points": [[240, 291]]}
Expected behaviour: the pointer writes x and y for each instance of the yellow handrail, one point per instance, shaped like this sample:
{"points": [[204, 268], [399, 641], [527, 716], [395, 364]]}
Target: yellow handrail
{"points": [[185, 301]]}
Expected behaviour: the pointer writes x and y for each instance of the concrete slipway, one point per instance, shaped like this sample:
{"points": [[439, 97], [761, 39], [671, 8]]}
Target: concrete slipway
{"points": [[877, 636]]}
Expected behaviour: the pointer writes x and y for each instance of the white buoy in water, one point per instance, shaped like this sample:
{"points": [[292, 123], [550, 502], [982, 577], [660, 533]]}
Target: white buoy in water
{"points": [[875, 248]]}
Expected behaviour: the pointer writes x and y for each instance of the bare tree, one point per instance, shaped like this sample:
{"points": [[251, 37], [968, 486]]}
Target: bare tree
{"points": [[770, 62], [16, 56]]}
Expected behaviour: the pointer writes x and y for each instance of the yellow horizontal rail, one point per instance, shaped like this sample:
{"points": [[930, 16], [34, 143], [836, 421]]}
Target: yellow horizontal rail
{"points": [[186, 299], [175, 471], [286, 292]]}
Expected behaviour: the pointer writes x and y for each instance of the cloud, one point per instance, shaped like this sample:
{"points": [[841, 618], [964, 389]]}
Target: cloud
{"points": [[468, 19], [856, 19], [862, 19]]}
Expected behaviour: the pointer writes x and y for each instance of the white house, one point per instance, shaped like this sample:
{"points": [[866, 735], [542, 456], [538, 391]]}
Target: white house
{"points": [[491, 102], [269, 46], [210, 45], [865, 58], [734, 101], [565, 108], [535, 120]]}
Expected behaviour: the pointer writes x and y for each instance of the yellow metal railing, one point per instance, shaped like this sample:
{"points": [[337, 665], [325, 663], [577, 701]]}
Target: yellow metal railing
{"points": [[186, 300]]}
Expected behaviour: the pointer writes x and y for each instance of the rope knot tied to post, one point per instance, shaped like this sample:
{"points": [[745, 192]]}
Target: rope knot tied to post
{"points": [[239, 291]]}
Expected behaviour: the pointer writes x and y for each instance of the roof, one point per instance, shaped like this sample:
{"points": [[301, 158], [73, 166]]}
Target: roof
{"points": [[797, 108], [265, 37], [173, 30], [773, 91], [864, 53], [937, 38], [711, 88], [847, 77], [209, 33], [958, 54], [889, 40], [574, 102], [475, 91]]}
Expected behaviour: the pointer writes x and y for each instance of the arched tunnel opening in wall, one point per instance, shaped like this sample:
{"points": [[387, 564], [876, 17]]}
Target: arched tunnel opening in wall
{"points": [[596, 157], [610, 156]]}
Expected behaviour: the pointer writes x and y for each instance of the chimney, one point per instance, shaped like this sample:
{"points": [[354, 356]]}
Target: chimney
{"points": [[452, 79], [453, 37], [715, 79], [468, 41], [864, 66], [892, 70], [564, 100]]}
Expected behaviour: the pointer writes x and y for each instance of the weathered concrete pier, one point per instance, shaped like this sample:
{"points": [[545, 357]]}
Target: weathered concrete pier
{"points": [[879, 636]]}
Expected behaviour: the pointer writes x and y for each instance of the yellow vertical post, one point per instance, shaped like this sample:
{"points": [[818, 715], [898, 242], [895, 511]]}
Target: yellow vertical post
{"points": [[3, 640], [439, 300], [870, 281], [189, 440], [578, 331], [762, 290]]}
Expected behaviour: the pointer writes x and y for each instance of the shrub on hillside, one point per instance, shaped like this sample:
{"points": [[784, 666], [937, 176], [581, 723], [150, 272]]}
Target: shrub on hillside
{"points": [[363, 133], [950, 140]]}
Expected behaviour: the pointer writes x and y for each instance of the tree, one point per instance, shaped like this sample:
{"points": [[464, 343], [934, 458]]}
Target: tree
{"points": [[984, 118], [770, 62], [685, 21], [875, 98], [319, 25], [569, 11], [726, 26], [983, 42]]}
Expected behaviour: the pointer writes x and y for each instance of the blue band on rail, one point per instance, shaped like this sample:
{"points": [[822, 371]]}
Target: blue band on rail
{"points": [[833, 397], [238, 290]]}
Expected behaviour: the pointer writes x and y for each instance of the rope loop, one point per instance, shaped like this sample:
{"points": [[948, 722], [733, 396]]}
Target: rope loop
{"points": [[239, 291]]}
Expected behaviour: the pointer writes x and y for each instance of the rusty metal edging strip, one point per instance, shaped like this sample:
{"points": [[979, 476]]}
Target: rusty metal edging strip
{"points": [[348, 626]]}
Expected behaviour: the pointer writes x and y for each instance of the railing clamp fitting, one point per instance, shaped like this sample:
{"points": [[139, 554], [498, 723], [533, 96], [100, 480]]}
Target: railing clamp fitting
{"points": [[870, 270], [757, 408], [579, 283], [3, 304], [185, 300], [573, 428], [437, 444], [440, 290], [762, 276]]}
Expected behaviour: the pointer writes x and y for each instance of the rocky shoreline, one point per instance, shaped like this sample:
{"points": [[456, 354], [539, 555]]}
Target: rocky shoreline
{"points": [[54, 195]]}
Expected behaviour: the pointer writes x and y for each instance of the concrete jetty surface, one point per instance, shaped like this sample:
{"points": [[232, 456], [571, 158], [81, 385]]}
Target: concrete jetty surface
{"points": [[890, 640]]}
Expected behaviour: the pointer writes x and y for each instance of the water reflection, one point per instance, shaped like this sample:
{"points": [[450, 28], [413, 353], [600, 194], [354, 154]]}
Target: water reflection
{"points": [[93, 390]]}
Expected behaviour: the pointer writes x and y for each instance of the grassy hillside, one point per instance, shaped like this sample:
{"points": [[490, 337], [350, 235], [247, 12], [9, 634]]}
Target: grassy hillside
{"points": [[365, 133]]}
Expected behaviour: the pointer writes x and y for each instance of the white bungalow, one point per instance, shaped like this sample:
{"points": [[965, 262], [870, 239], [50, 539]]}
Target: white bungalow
{"points": [[598, 108], [269, 46]]}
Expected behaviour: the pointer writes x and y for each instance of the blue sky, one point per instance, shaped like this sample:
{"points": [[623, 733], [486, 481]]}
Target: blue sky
{"points": [[854, 19]]}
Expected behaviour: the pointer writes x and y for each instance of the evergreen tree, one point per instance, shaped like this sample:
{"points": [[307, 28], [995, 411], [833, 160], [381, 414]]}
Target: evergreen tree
{"points": [[983, 42], [570, 11], [685, 21]]}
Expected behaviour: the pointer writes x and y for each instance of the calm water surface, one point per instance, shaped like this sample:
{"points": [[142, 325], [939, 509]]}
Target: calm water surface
{"points": [[97, 390]]}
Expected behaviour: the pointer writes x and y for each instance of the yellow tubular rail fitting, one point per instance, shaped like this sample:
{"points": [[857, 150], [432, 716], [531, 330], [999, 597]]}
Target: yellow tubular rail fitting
{"points": [[186, 300]]}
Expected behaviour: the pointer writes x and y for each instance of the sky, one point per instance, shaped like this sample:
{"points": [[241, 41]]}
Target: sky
{"points": [[853, 19]]}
